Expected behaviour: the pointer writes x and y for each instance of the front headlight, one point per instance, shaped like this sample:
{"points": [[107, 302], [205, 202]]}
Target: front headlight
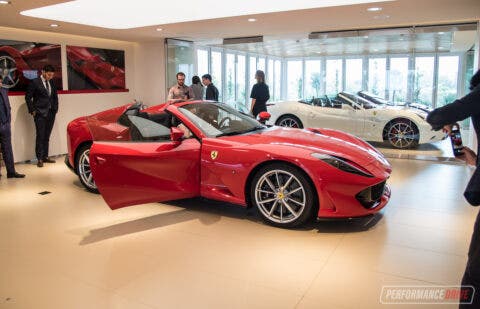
{"points": [[342, 164]]}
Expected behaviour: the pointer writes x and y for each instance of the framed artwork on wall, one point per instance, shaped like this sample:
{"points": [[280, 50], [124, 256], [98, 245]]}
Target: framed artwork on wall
{"points": [[95, 68], [21, 62]]}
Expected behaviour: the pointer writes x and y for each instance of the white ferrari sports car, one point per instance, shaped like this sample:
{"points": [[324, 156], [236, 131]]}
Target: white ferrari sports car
{"points": [[400, 126]]}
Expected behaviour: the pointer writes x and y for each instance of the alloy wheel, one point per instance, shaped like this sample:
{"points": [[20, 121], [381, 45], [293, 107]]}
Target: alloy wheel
{"points": [[402, 135], [84, 170], [280, 196]]}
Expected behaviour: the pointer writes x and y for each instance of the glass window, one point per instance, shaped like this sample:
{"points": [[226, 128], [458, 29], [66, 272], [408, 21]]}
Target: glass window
{"points": [[423, 80], [241, 67], [142, 129], [230, 79], [294, 80], [261, 64], [202, 62], [270, 74], [353, 75], [313, 79], [398, 79], [278, 80], [377, 68], [180, 58], [217, 72], [253, 70], [334, 77], [447, 79]]}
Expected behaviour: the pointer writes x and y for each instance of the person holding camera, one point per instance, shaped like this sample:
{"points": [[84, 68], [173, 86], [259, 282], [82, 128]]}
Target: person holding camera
{"points": [[444, 117]]}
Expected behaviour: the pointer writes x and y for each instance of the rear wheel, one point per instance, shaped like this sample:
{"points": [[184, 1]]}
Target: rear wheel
{"points": [[283, 195], [402, 134], [290, 121], [82, 167]]}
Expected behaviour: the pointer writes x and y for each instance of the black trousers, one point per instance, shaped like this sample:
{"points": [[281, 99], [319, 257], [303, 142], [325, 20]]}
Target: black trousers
{"points": [[472, 271], [43, 126], [6, 144]]}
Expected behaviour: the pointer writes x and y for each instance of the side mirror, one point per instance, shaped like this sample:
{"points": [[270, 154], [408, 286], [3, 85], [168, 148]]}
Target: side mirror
{"points": [[264, 116], [176, 134]]}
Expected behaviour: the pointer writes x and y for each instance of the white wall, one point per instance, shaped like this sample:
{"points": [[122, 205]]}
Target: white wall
{"points": [[150, 72], [145, 79]]}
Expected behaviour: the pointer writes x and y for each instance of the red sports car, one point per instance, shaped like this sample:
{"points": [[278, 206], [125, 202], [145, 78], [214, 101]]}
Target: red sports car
{"points": [[189, 149]]}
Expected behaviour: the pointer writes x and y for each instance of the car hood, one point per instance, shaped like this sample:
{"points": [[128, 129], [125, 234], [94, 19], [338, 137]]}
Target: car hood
{"points": [[405, 108], [325, 141]]}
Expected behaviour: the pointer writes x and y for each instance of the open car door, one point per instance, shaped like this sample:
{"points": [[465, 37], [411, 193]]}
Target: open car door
{"points": [[157, 164]]}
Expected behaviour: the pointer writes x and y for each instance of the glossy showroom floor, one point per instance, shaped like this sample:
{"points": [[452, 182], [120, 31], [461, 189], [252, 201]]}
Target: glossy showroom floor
{"points": [[67, 249]]}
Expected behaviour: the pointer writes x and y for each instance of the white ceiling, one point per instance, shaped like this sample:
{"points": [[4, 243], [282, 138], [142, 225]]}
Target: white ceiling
{"points": [[143, 13], [285, 24]]}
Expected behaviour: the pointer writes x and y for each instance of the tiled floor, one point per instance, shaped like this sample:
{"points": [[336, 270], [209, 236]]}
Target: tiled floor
{"points": [[67, 249]]}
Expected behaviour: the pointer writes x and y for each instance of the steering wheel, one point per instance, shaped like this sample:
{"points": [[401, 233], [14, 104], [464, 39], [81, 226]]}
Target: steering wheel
{"points": [[222, 122]]}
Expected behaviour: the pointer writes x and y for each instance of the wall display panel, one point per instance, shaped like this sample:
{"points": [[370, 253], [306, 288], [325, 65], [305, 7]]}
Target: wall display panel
{"points": [[95, 68], [21, 62]]}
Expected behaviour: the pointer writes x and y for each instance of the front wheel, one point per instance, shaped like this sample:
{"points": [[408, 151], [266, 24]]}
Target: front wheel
{"points": [[283, 195], [82, 166]]}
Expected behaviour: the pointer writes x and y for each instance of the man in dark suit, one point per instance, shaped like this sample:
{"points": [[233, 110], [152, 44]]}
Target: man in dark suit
{"points": [[6, 133], [212, 91], [42, 102]]}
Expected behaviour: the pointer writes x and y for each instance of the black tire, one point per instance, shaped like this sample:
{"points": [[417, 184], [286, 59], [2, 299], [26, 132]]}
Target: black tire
{"points": [[83, 169], [289, 121], [401, 134], [278, 211]]}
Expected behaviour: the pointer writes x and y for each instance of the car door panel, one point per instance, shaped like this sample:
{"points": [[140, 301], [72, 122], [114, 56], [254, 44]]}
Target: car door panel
{"points": [[129, 173]]}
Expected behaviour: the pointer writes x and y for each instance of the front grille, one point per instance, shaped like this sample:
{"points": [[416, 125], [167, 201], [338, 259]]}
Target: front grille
{"points": [[371, 196]]}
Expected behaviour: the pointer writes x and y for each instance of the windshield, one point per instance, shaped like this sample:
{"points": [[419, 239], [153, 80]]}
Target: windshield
{"points": [[218, 119], [375, 98]]}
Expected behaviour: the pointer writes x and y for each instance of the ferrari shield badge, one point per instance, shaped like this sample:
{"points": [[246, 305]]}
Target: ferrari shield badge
{"points": [[214, 154]]}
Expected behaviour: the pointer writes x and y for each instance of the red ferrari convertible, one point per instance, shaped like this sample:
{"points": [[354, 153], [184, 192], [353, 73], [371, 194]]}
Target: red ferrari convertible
{"points": [[189, 149]]}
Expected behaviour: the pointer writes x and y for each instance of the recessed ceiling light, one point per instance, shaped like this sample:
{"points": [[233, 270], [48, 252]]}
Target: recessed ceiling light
{"points": [[374, 9], [54, 25], [159, 29], [375, 50], [441, 47], [252, 20], [365, 37], [441, 32], [5, 2], [143, 13], [381, 16]]}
